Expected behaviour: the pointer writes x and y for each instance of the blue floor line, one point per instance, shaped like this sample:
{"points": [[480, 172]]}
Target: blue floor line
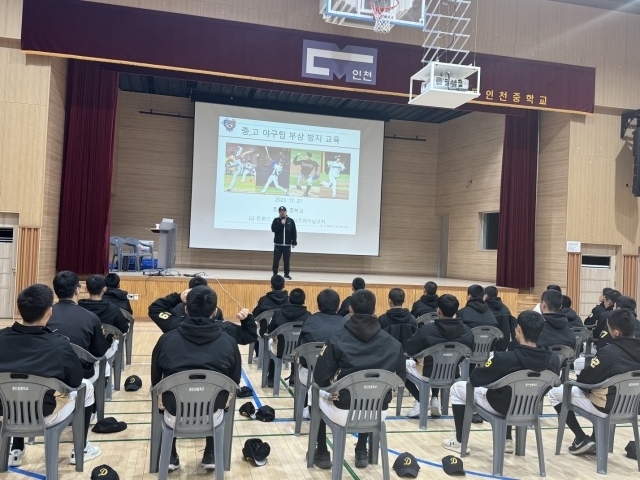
{"points": [[255, 395], [27, 473]]}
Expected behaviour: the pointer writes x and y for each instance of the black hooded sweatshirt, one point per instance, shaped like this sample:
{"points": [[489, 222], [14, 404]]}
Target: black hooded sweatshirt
{"points": [[196, 344], [107, 313], [595, 312], [289, 313], [426, 304], [360, 345], [572, 317], [506, 322], [605, 338], [522, 357], [274, 300], [319, 327], [399, 323], [556, 331], [477, 314], [442, 330], [118, 298]]}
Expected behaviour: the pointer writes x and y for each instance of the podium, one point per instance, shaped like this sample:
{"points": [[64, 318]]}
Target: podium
{"points": [[167, 250]]}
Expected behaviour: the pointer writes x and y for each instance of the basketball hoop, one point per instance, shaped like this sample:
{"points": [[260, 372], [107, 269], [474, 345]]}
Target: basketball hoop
{"points": [[383, 14]]}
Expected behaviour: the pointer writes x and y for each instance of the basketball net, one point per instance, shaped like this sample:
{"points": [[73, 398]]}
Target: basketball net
{"points": [[383, 14]]}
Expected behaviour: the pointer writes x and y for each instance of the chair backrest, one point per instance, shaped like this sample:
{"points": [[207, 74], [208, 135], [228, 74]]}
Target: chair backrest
{"points": [[582, 335], [627, 399], [127, 315], [427, 318], [195, 392], [483, 340], [113, 330], [446, 358], [563, 352], [84, 355], [116, 242], [310, 352], [290, 332], [268, 315], [132, 243]]}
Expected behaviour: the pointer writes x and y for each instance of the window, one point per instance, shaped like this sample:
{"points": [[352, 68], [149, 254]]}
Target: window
{"points": [[489, 230], [594, 261]]}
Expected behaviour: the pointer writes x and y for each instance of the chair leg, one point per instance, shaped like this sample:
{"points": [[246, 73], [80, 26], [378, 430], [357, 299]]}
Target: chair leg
{"points": [[277, 372], [252, 347], [339, 441], [384, 452], [5, 445], [77, 425], [374, 447], [424, 404], [543, 471], [602, 444], [464, 374], [636, 437], [218, 449], [228, 434], [156, 442], [521, 440], [51, 451], [117, 368], [399, 397], [562, 421], [445, 392], [165, 452], [313, 435], [298, 405], [499, 430], [129, 343], [266, 356], [260, 352]]}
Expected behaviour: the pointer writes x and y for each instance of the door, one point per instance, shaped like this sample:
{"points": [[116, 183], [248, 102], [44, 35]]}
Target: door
{"points": [[443, 251], [8, 248]]}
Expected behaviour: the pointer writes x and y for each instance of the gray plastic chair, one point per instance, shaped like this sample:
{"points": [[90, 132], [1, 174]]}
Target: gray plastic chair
{"points": [[484, 339], [268, 315], [427, 318], [590, 328], [22, 399], [134, 251], [310, 353], [446, 358], [565, 354], [117, 360], [528, 389], [290, 332], [347, 316], [99, 387], [129, 336], [625, 410], [117, 243], [195, 392]]}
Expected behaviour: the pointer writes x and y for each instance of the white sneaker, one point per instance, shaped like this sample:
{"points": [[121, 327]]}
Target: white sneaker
{"points": [[453, 445], [15, 458], [415, 411], [90, 452], [436, 411], [305, 413], [508, 446]]}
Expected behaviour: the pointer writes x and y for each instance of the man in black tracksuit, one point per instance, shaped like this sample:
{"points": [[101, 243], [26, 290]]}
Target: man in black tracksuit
{"points": [[556, 329], [107, 312], [360, 345], [572, 317], [285, 237], [626, 303], [622, 355], [476, 312], [398, 321], [198, 343], [610, 299], [506, 321], [357, 284], [114, 294], [194, 282], [445, 329], [524, 356], [427, 302], [598, 309]]}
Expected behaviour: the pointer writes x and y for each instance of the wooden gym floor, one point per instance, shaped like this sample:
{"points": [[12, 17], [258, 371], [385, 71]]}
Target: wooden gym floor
{"points": [[127, 451]]}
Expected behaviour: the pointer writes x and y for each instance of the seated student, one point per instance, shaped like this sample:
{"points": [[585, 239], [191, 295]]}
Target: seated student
{"points": [[610, 299], [622, 355], [114, 294], [573, 318], [427, 302], [598, 309], [360, 345], [32, 348], [506, 321], [445, 329], [273, 300], [556, 329], [476, 312], [524, 356], [549, 287], [357, 284], [107, 312], [198, 343], [398, 321], [294, 311], [194, 282]]}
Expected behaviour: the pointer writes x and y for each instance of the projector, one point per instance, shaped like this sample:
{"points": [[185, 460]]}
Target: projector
{"points": [[445, 83]]}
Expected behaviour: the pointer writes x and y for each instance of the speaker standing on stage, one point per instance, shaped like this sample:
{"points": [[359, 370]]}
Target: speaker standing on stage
{"points": [[284, 239]]}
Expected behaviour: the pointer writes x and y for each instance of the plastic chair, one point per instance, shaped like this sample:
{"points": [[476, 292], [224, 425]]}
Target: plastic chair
{"points": [[347, 316], [22, 399], [484, 338], [117, 243], [195, 392], [625, 410], [310, 353], [134, 251], [290, 332], [118, 358], [129, 335], [268, 315], [528, 389], [590, 328], [427, 318], [99, 387], [446, 358], [566, 356]]}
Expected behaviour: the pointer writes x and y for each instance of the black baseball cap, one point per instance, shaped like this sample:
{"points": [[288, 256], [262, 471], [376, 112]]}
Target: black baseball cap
{"points": [[256, 450], [104, 472], [406, 464], [631, 450], [109, 425], [452, 464], [132, 383], [282, 208], [266, 414], [245, 392], [248, 410]]}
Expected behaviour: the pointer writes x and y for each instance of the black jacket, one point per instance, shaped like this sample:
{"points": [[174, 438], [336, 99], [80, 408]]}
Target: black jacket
{"points": [[39, 351], [556, 331], [601, 323], [399, 323], [287, 314], [107, 313], [572, 317], [82, 328], [502, 364], [361, 345], [442, 330], [595, 312], [161, 312], [273, 300], [319, 327], [426, 304], [477, 314], [118, 298], [196, 344], [605, 338], [344, 306], [179, 312], [505, 320], [284, 234]]}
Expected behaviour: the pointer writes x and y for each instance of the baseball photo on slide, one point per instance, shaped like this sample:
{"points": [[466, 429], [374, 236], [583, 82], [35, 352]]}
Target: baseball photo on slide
{"points": [[319, 174], [256, 169]]}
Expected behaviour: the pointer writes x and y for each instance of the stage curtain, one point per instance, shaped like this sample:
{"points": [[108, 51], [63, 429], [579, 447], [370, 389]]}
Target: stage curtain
{"points": [[516, 231], [83, 239]]}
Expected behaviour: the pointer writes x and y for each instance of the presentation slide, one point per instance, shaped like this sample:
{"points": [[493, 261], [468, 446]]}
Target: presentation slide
{"points": [[327, 172]]}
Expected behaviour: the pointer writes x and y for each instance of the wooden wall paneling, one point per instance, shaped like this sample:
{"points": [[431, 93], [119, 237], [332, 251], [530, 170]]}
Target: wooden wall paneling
{"points": [[574, 264], [10, 18], [28, 254], [630, 276]]}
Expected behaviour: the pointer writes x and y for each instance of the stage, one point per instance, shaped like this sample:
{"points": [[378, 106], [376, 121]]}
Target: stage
{"points": [[246, 286]]}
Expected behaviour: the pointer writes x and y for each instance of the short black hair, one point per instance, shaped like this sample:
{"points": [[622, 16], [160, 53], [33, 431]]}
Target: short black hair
{"points": [[277, 282], [363, 301], [396, 295], [554, 287], [328, 299], [112, 280], [566, 302], [624, 321], [65, 284], [531, 323], [491, 292], [430, 288], [475, 291], [358, 283], [197, 280], [202, 301], [297, 296], [95, 284], [34, 301], [448, 305], [553, 299], [626, 302], [612, 296], [605, 290]]}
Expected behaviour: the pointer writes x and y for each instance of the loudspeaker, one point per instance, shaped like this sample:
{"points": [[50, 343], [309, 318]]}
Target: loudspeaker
{"points": [[636, 163]]}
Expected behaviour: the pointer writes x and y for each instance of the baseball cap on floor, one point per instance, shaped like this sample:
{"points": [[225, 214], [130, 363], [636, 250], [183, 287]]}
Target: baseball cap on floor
{"points": [[109, 425], [406, 464], [266, 414], [452, 464], [631, 450], [248, 410], [132, 383], [256, 450], [104, 472], [245, 392]]}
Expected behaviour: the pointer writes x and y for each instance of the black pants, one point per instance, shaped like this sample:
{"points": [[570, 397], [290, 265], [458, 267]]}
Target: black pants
{"points": [[281, 251]]}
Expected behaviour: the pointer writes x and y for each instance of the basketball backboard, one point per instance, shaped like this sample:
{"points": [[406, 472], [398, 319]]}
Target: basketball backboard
{"points": [[358, 13]]}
